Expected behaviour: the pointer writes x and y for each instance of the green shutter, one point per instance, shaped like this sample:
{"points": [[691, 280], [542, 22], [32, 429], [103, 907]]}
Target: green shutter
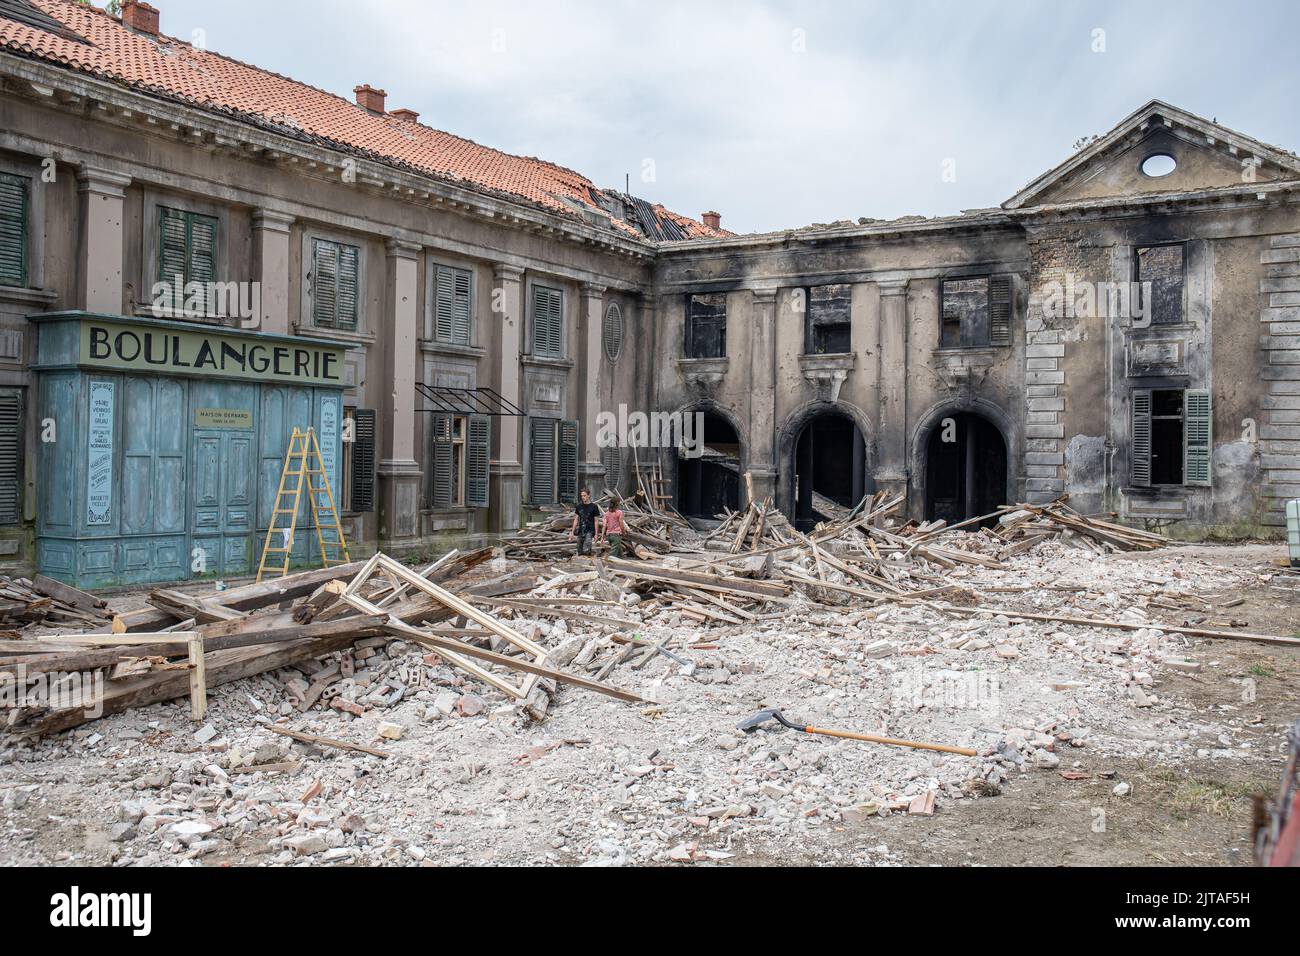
{"points": [[444, 305], [462, 307], [541, 461], [548, 322], [203, 256], [363, 460], [1140, 439], [568, 461], [611, 457], [478, 452], [443, 479], [11, 458], [349, 282], [13, 229], [324, 282], [1000, 310], [1197, 445], [173, 247]]}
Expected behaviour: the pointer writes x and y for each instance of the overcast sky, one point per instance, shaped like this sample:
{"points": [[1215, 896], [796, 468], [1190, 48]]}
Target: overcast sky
{"points": [[779, 114]]}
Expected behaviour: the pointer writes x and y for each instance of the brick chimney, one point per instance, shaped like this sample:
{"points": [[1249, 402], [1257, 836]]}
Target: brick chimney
{"points": [[370, 98], [405, 115], [140, 17], [713, 220]]}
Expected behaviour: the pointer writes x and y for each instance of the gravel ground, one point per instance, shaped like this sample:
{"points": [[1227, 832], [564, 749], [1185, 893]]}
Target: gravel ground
{"points": [[1067, 721]]}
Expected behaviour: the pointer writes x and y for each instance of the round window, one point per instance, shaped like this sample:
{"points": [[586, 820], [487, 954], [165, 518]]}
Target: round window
{"points": [[612, 333], [1159, 164]]}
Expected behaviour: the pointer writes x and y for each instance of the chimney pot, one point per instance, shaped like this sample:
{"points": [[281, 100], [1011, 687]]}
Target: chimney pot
{"points": [[370, 98], [405, 115], [140, 17], [713, 220]]}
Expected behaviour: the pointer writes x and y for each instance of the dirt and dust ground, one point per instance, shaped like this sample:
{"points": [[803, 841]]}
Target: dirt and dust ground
{"points": [[604, 783]]}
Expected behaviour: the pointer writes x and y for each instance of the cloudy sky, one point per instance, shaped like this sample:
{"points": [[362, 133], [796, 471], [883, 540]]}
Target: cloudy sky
{"points": [[780, 114]]}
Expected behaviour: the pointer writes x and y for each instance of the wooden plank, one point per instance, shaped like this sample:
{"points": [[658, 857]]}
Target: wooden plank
{"points": [[326, 741], [198, 680]]}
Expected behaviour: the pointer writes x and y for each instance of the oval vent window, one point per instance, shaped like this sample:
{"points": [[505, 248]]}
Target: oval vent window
{"points": [[613, 332], [1159, 164]]}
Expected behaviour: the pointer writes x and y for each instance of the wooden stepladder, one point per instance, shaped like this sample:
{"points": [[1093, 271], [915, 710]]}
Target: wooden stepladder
{"points": [[304, 470]]}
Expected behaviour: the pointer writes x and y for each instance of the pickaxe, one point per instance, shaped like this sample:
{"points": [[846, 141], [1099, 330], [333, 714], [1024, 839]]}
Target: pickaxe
{"points": [[750, 724]]}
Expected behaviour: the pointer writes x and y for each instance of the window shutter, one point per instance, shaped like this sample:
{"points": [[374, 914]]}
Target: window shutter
{"points": [[443, 488], [444, 304], [1140, 439], [462, 307], [548, 319], [568, 461], [611, 458], [1197, 446], [13, 229], [539, 320], [541, 460], [478, 451], [349, 281], [613, 332], [557, 323], [324, 282], [11, 458], [363, 460], [172, 247], [202, 255], [1000, 310]]}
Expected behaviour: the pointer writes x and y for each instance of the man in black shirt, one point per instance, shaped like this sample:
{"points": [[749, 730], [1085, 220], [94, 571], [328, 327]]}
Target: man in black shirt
{"points": [[585, 515]]}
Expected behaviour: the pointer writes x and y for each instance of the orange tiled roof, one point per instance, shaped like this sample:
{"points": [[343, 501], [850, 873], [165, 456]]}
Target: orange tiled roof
{"points": [[176, 70]]}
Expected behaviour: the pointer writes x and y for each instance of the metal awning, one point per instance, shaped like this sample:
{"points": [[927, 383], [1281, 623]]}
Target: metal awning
{"points": [[467, 401]]}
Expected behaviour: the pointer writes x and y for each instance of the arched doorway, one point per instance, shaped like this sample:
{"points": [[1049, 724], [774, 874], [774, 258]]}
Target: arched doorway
{"points": [[709, 483], [830, 474], [965, 468]]}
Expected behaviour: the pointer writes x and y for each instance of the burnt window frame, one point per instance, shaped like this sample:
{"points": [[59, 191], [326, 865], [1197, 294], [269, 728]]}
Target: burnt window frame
{"points": [[996, 334], [693, 344], [812, 325], [1181, 245]]}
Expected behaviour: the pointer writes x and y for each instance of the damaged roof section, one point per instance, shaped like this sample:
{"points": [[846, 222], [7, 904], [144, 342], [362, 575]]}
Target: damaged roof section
{"points": [[53, 31]]}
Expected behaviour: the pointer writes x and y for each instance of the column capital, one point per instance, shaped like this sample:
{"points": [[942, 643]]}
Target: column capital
{"points": [[765, 296], [593, 291], [893, 286], [272, 221], [401, 249], [503, 272], [95, 179]]}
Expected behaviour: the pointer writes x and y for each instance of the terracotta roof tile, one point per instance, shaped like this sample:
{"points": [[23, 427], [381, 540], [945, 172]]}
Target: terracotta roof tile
{"points": [[176, 70]]}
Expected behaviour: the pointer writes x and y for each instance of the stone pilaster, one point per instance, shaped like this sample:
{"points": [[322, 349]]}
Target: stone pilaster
{"points": [[762, 396], [271, 268], [891, 433], [592, 371], [507, 471], [99, 285], [399, 472]]}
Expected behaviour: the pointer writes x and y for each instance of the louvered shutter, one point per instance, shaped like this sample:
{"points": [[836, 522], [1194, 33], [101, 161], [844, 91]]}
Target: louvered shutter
{"points": [[613, 332], [443, 480], [612, 459], [363, 460], [1197, 445], [1140, 439], [541, 460], [548, 319], [444, 304], [478, 449], [557, 323], [324, 283], [568, 461], [13, 229], [173, 248], [1000, 310], [349, 282], [202, 256], [462, 307], [11, 458]]}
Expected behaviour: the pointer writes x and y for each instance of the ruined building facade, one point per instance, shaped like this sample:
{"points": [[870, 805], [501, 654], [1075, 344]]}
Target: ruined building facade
{"points": [[453, 322]]}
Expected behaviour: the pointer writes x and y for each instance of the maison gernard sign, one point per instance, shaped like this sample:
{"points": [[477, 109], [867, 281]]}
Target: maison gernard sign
{"points": [[166, 349]]}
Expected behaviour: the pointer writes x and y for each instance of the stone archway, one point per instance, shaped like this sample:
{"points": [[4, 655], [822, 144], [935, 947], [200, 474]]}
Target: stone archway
{"points": [[824, 456], [711, 482], [963, 462]]}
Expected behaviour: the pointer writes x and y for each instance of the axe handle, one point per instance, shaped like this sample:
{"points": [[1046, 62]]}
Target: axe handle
{"points": [[943, 748]]}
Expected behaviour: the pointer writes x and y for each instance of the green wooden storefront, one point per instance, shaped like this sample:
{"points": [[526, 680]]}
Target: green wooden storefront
{"points": [[161, 444]]}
